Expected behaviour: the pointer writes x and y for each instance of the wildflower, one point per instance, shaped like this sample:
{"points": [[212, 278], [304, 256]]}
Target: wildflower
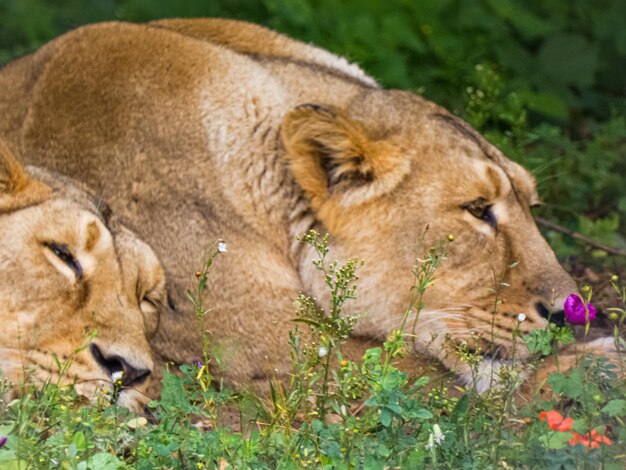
{"points": [[521, 317], [438, 436], [137, 423], [222, 247], [117, 375], [590, 440], [576, 312], [614, 278], [197, 363], [344, 363], [3, 441], [556, 421], [431, 442], [322, 351]]}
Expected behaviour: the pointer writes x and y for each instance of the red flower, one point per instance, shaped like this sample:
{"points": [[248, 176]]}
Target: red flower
{"points": [[590, 440], [556, 421]]}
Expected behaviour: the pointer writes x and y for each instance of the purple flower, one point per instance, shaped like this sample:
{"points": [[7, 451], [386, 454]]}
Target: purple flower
{"points": [[3, 440], [197, 363], [576, 311]]}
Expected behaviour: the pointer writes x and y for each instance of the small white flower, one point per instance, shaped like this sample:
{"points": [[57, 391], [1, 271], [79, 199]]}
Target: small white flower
{"points": [[115, 376], [322, 351], [431, 442], [438, 436], [521, 317], [222, 247]]}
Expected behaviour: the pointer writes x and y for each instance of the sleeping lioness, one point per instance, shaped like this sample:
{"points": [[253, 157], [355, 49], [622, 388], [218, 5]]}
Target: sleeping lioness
{"points": [[78, 296], [196, 130]]}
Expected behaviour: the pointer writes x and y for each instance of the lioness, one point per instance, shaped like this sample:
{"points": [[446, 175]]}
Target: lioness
{"points": [[202, 129], [78, 298]]}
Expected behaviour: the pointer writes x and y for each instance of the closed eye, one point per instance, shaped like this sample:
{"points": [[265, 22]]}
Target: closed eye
{"points": [[63, 252], [481, 209]]}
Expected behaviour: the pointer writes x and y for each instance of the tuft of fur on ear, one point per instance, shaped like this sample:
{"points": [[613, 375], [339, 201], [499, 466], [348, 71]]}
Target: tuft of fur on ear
{"points": [[17, 189], [13, 177], [332, 157]]}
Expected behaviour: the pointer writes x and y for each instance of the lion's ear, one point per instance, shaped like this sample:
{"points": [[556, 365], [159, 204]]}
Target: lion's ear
{"points": [[332, 157], [17, 189]]}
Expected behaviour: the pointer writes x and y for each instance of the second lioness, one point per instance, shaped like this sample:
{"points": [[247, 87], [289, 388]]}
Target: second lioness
{"points": [[79, 294], [202, 129]]}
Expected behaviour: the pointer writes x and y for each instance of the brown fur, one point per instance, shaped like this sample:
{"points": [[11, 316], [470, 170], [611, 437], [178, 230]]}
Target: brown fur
{"points": [[196, 130], [51, 308]]}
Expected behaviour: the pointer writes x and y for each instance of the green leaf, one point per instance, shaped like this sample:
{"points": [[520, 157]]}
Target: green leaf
{"points": [[385, 417], [317, 426], [14, 464], [397, 409], [569, 385], [421, 382], [555, 439], [79, 441], [539, 341], [545, 103], [312, 323], [615, 408], [105, 461], [383, 450], [460, 410], [422, 413], [5, 429], [372, 356]]}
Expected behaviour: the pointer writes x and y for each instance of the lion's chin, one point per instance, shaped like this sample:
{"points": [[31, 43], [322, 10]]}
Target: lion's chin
{"points": [[134, 400], [97, 391]]}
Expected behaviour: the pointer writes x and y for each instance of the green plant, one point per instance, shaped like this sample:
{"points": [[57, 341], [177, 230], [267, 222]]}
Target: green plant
{"points": [[336, 413]]}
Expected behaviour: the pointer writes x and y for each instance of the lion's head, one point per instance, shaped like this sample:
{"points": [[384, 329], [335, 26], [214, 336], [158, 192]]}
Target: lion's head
{"points": [[79, 298], [391, 176]]}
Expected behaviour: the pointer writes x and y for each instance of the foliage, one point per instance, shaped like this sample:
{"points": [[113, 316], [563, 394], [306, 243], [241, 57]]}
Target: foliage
{"points": [[544, 80], [335, 413]]}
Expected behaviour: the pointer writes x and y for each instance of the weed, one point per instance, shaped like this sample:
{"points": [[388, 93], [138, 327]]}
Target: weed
{"points": [[337, 413]]}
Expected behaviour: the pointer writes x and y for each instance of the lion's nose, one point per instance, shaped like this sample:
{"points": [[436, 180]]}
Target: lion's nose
{"points": [[557, 317], [114, 364]]}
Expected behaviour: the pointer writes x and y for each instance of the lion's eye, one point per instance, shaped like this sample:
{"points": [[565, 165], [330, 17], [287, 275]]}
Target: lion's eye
{"points": [[63, 252], [481, 209], [151, 313], [148, 306]]}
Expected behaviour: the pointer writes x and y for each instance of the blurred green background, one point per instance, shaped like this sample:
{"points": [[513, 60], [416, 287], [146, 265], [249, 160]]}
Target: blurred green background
{"points": [[545, 80]]}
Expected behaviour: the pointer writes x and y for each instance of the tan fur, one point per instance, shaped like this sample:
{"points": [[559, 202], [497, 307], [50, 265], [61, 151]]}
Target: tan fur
{"points": [[196, 130], [51, 311]]}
